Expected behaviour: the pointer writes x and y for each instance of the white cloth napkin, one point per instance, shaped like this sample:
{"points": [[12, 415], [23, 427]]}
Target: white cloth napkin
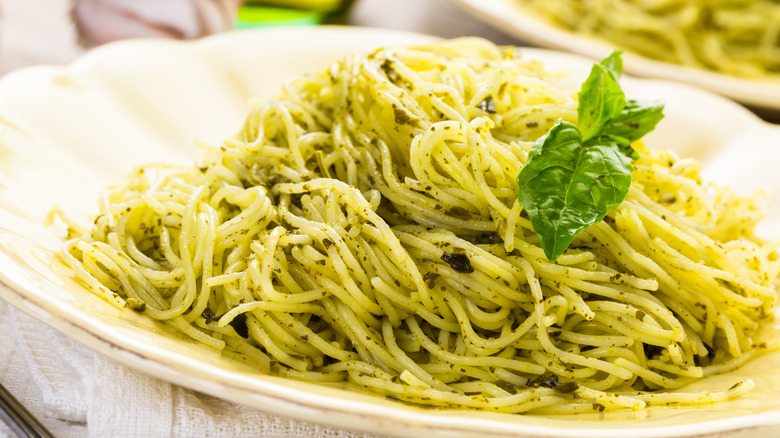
{"points": [[78, 393]]}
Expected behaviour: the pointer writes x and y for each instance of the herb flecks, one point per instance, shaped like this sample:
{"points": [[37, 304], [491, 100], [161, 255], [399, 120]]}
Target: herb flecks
{"points": [[458, 262], [543, 381], [488, 105], [576, 174], [239, 325], [402, 117], [567, 387], [136, 304]]}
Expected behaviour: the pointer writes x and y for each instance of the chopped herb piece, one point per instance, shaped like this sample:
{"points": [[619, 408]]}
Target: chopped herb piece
{"points": [[487, 105], [652, 351], [402, 117], [567, 387], [457, 212], [545, 381], [239, 325], [458, 262], [136, 304]]}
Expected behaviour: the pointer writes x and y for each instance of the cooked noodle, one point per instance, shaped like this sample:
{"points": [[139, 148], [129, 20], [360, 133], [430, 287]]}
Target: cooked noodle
{"points": [[364, 227], [739, 38]]}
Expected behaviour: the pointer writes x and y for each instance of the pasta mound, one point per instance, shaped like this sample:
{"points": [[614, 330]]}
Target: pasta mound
{"points": [[364, 227]]}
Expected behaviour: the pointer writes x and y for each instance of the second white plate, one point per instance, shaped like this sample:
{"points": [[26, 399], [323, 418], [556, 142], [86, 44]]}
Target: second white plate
{"points": [[510, 17]]}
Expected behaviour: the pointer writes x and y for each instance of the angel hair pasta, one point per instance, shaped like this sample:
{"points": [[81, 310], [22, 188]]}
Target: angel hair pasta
{"points": [[735, 37], [364, 227]]}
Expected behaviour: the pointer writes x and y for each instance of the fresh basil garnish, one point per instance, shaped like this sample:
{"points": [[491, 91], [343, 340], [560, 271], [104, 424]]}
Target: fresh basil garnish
{"points": [[569, 186], [601, 100], [575, 175], [614, 63], [637, 119]]}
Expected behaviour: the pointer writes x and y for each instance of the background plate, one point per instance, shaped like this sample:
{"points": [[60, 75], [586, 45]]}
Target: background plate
{"points": [[511, 17], [65, 133]]}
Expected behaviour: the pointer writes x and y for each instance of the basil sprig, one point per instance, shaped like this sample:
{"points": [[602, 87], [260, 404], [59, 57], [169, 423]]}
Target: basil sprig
{"points": [[575, 175]]}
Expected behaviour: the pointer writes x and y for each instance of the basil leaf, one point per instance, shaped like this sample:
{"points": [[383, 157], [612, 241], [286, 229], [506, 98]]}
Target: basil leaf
{"points": [[565, 186], [614, 63], [574, 176], [637, 119], [601, 99], [622, 143]]}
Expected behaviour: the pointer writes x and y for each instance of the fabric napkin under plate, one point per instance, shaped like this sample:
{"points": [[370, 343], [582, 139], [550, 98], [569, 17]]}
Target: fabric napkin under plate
{"points": [[78, 393]]}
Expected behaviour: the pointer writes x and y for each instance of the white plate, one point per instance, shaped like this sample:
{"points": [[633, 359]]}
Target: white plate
{"points": [[65, 133], [516, 20]]}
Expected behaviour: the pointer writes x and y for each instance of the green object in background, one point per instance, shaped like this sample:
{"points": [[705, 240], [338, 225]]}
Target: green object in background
{"points": [[262, 16], [307, 5], [263, 13]]}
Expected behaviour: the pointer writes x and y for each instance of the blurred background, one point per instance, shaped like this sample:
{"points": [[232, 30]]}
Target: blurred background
{"points": [[58, 31], [742, 36]]}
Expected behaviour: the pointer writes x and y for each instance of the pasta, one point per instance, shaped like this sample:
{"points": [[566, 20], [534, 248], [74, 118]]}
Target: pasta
{"points": [[364, 227], [739, 38]]}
